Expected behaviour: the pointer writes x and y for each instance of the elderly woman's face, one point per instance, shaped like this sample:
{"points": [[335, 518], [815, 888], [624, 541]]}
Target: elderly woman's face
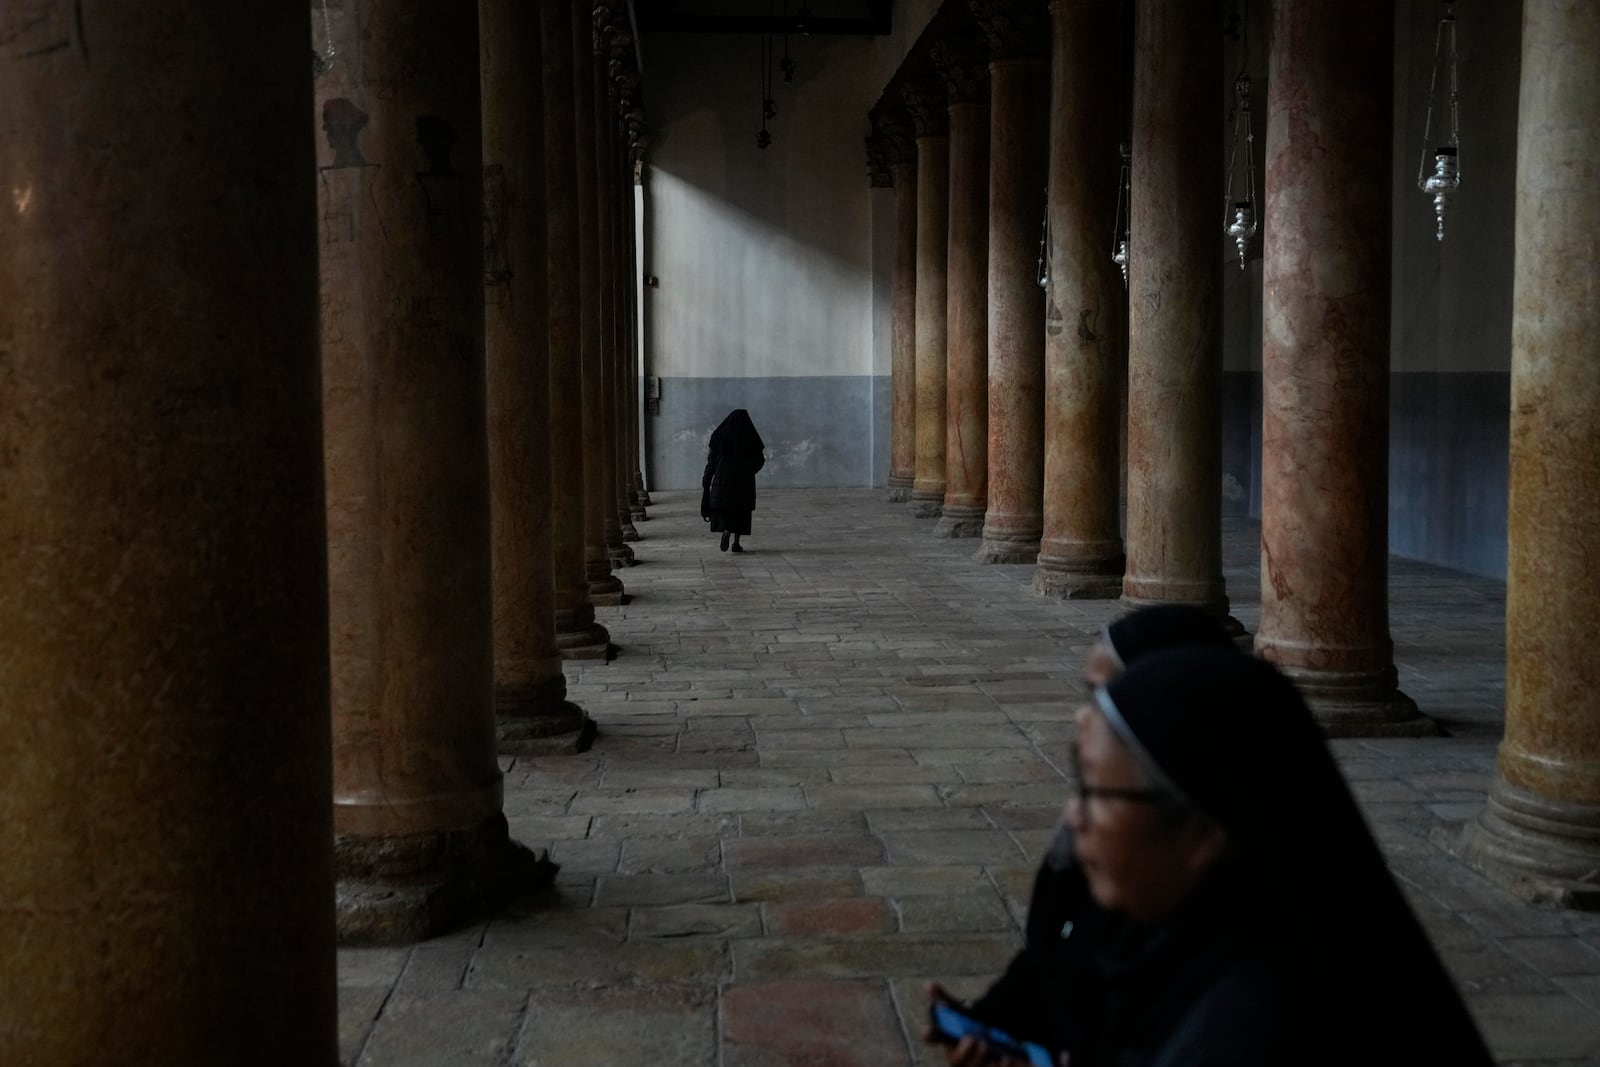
{"points": [[1140, 856]]}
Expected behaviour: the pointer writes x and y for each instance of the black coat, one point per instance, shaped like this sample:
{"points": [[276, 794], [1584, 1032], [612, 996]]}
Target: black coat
{"points": [[729, 483]]}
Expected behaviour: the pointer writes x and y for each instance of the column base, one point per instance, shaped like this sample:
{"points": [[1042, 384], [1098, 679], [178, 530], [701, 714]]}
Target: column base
{"points": [[644, 499], [398, 890], [899, 488], [1351, 704], [1546, 851], [960, 520], [637, 514], [1078, 578], [1006, 550], [926, 503], [578, 636], [537, 719], [628, 531], [620, 555], [605, 588]]}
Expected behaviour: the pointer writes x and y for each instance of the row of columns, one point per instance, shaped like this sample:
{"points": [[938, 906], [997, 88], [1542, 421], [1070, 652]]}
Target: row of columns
{"points": [[1057, 360], [290, 596]]}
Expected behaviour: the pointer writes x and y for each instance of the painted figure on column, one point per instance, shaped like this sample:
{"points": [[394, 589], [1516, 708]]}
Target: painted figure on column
{"points": [[729, 483]]}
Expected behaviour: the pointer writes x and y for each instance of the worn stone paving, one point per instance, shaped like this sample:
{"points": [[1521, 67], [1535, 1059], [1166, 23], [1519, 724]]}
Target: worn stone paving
{"points": [[825, 771]]}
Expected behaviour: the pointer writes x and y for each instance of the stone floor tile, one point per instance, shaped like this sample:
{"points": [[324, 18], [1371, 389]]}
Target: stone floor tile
{"points": [[782, 798], [951, 846], [696, 920], [664, 1025], [553, 926], [433, 968], [1554, 956], [608, 827], [648, 890], [675, 960], [833, 821], [833, 1023], [979, 912], [633, 802], [928, 819], [844, 917], [632, 777], [463, 1027], [359, 1006], [684, 855], [1536, 1026], [858, 797], [897, 774], [905, 881], [592, 856], [802, 850], [864, 957], [371, 966], [785, 884]]}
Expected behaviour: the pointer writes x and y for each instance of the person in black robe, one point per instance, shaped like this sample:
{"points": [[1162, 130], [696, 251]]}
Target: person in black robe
{"points": [[728, 487], [1240, 911]]}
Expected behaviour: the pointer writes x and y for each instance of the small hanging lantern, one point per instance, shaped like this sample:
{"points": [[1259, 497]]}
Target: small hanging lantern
{"points": [[1445, 178], [1240, 219], [1120, 225]]}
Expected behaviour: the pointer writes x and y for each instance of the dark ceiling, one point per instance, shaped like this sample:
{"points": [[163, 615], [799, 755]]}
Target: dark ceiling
{"points": [[816, 17]]}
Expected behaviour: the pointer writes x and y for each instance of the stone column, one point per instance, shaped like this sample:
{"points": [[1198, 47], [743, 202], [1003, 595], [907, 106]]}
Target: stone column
{"points": [[964, 69], [639, 150], [902, 151], [420, 842], [600, 521], [1019, 91], [164, 812], [638, 498], [1542, 823], [926, 103], [624, 85], [577, 634], [1325, 364], [532, 713], [1080, 555], [605, 250], [1175, 314]]}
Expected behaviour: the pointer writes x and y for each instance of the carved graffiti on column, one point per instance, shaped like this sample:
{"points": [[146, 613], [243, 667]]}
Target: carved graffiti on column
{"points": [[496, 235], [347, 180], [33, 28]]}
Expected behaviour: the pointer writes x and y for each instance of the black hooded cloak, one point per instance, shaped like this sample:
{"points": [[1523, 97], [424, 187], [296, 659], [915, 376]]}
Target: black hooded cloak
{"points": [[729, 482]]}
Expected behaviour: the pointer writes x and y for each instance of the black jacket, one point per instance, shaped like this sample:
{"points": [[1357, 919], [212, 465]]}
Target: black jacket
{"points": [[736, 454]]}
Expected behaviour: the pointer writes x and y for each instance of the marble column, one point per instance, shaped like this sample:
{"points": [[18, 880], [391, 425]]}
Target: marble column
{"points": [[1325, 364], [623, 81], [420, 843], [1542, 823], [902, 151], [1080, 555], [1175, 314], [926, 102], [600, 520], [165, 808], [1019, 93], [603, 21], [577, 634], [532, 713], [638, 499], [964, 69]]}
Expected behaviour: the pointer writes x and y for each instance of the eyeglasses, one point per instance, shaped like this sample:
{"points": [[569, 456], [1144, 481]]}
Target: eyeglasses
{"points": [[1083, 793]]}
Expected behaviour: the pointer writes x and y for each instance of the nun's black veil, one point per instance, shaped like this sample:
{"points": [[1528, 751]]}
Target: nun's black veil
{"points": [[1234, 736], [736, 436]]}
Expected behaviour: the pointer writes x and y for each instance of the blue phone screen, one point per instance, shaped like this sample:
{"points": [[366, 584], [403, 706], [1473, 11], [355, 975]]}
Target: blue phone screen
{"points": [[958, 1025]]}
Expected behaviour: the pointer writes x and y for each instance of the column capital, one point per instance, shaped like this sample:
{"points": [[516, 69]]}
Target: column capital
{"points": [[604, 19], [926, 104], [878, 175], [963, 66], [1015, 29]]}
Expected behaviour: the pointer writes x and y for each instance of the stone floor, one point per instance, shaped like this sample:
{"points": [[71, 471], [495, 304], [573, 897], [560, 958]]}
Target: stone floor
{"points": [[825, 771]]}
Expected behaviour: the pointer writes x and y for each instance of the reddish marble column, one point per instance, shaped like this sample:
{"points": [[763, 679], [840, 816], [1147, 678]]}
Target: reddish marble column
{"points": [[1019, 92], [600, 520], [532, 713], [1175, 315], [927, 105], [966, 77], [605, 257], [164, 780], [420, 842], [1325, 365], [903, 324], [1542, 823], [1081, 552], [577, 634]]}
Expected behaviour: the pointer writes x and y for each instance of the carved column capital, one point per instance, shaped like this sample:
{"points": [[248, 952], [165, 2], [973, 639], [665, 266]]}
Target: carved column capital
{"points": [[1015, 29], [878, 175], [604, 20], [928, 108], [963, 65]]}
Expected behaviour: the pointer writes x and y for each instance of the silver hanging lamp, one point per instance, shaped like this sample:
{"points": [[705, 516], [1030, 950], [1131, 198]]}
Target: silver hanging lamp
{"points": [[1240, 217], [1120, 225], [1445, 179]]}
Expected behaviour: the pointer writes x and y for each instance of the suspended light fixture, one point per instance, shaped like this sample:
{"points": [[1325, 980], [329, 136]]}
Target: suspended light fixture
{"points": [[1445, 180], [1120, 230], [769, 109], [1240, 218], [787, 66]]}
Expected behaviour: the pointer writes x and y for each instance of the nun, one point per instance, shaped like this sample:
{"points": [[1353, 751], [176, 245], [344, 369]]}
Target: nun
{"points": [[728, 487], [1240, 911]]}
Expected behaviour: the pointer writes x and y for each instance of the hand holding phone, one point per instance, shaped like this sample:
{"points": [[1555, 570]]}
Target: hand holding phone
{"points": [[948, 1024]]}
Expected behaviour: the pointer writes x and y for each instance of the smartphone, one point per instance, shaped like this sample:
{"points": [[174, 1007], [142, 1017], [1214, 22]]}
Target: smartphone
{"points": [[951, 1024]]}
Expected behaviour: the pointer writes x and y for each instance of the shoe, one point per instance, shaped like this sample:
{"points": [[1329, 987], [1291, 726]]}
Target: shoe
{"points": [[737, 547], [724, 546]]}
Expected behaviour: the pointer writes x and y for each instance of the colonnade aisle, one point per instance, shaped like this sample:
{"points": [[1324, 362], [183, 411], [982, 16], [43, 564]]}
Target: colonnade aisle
{"points": [[825, 771]]}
